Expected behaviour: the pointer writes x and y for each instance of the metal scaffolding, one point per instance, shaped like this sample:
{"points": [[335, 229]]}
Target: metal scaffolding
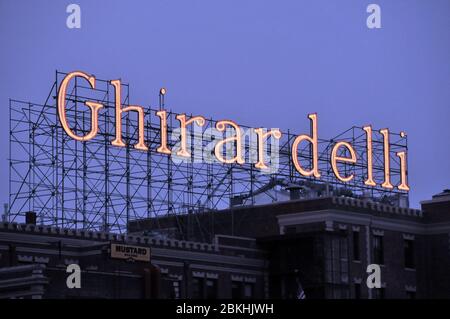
{"points": [[95, 185]]}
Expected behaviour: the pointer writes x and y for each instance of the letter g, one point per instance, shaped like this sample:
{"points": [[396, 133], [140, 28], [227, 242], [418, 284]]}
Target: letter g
{"points": [[95, 107]]}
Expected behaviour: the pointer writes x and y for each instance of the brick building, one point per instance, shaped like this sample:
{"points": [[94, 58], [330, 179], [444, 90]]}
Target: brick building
{"points": [[321, 246], [34, 259]]}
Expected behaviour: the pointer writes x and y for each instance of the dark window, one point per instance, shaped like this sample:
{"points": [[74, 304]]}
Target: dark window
{"points": [[240, 290], [357, 291], [290, 230], [378, 253], [211, 289], [356, 246], [248, 291], [176, 290], [236, 290], [411, 295], [197, 288], [379, 293], [409, 253]]}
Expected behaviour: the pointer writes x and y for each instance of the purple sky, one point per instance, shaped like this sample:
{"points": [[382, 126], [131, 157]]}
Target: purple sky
{"points": [[260, 63]]}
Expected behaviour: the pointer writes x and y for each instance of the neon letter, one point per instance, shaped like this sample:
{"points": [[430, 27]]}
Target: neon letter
{"points": [[163, 123], [200, 120], [387, 168], [313, 140], [237, 138], [119, 110], [369, 181], [261, 138], [335, 158], [404, 183], [95, 107]]}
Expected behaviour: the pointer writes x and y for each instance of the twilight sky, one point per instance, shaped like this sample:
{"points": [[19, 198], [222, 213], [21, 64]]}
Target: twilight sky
{"points": [[260, 63]]}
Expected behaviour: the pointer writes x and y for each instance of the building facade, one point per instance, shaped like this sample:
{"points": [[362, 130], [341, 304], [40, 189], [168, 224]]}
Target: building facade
{"points": [[34, 261], [318, 248]]}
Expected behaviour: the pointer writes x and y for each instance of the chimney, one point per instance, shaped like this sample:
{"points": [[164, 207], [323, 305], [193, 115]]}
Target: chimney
{"points": [[5, 213], [294, 191], [30, 218]]}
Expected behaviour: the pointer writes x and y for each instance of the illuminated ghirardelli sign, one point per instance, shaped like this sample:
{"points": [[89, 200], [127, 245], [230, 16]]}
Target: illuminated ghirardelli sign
{"points": [[340, 152]]}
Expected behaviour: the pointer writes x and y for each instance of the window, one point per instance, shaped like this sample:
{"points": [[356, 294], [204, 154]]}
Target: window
{"points": [[378, 254], [236, 291], [356, 246], [409, 253], [211, 289], [176, 290], [357, 291], [197, 288], [290, 230], [378, 293], [410, 294], [343, 259], [248, 291], [241, 290]]}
